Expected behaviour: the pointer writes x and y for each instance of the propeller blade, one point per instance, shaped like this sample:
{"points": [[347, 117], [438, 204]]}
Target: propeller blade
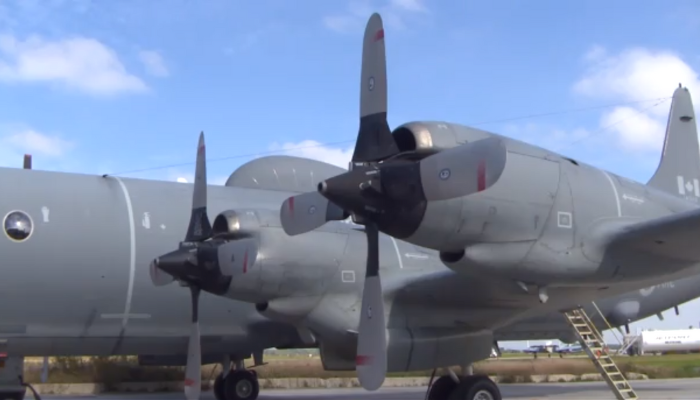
{"points": [[158, 276], [193, 371], [374, 139], [200, 227], [371, 360], [463, 170], [307, 211]]}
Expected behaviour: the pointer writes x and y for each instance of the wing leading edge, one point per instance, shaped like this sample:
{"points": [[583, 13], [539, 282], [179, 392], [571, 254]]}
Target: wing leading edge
{"points": [[673, 237]]}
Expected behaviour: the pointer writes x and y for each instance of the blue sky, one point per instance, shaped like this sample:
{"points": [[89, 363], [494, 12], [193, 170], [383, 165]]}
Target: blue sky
{"points": [[116, 86]]}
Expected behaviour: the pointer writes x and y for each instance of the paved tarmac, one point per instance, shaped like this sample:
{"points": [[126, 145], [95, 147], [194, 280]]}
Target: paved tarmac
{"points": [[667, 389]]}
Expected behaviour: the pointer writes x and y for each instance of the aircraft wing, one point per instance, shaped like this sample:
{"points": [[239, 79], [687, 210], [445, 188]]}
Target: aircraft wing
{"points": [[673, 237]]}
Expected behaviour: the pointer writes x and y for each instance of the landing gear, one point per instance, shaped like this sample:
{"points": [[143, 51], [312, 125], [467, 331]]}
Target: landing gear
{"points": [[473, 387], [476, 387], [241, 385], [442, 388], [238, 384], [12, 385], [12, 395]]}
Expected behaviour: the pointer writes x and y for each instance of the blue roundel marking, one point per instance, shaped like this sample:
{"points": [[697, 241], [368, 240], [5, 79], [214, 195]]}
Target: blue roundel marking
{"points": [[370, 83], [445, 174], [312, 209]]}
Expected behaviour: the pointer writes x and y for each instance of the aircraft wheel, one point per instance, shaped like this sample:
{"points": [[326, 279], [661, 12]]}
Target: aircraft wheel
{"points": [[241, 385], [476, 387], [219, 386], [441, 388]]}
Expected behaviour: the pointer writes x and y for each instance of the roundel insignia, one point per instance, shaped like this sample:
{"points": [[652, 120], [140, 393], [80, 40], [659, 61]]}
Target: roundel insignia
{"points": [[18, 226], [312, 209], [445, 174], [370, 83]]}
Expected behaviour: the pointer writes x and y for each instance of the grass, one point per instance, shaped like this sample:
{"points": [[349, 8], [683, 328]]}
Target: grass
{"points": [[113, 370]]}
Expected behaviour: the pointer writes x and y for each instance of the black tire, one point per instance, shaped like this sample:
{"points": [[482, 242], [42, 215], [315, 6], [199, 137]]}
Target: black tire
{"points": [[475, 385], [241, 385], [219, 386], [12, 395], [442, 388]]}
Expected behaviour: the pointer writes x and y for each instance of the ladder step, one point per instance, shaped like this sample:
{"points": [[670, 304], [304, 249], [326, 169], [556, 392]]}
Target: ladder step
{"points": [[593, 343]]}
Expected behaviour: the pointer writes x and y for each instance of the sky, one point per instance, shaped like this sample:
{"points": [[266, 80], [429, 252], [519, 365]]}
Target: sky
{"points": [[124, 87]]}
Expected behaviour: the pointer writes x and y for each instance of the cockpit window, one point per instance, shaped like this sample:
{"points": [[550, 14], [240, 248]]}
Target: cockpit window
{"points": [[18, 226]]}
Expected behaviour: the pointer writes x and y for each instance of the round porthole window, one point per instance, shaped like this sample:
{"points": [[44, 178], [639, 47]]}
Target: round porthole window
{"points": [[18, 226]]}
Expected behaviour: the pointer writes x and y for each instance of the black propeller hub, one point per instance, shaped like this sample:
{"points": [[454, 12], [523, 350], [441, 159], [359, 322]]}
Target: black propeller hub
{"points": [[196, 264], [390, 195]]}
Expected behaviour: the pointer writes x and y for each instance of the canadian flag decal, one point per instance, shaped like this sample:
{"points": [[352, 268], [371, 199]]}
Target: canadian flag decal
{"points": [[687, 186]]}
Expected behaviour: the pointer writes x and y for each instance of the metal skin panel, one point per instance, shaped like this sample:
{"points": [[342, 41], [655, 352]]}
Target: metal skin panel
{"points": [[509, 211], [72, 280]]}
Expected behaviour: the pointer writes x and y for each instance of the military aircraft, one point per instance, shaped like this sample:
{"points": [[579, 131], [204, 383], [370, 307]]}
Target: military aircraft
{"points": [[76, 281], [86, 244]]}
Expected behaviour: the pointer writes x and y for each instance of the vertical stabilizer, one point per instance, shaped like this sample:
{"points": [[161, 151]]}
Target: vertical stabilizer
{"points": [[679, 170]]}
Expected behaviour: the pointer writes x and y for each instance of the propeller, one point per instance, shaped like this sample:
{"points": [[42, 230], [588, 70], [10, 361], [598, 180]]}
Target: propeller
{"points": [[308, 211], [383, 188], [382, 182], [195, 264]]}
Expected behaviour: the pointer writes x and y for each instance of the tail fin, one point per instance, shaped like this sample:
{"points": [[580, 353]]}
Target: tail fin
{"points": [[679, 170]]}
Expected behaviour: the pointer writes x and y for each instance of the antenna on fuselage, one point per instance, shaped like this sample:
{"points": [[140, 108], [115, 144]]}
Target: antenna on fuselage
{"points": [[27, 161]]}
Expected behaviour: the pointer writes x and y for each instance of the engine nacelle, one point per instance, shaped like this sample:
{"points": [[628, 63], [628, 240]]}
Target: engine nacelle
{"points": [[427, 137], [235, 224]]}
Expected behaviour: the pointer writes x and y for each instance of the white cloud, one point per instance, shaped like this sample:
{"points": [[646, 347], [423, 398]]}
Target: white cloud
{"points": [[33, 142], [632, 75], [177, 175], [636, 130], [77, 63], [354, 18], [154, 63], [315, 150], [409, 5]]}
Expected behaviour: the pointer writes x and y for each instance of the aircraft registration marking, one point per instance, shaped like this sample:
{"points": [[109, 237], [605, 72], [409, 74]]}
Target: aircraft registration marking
{"points": [[647, 291]]}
